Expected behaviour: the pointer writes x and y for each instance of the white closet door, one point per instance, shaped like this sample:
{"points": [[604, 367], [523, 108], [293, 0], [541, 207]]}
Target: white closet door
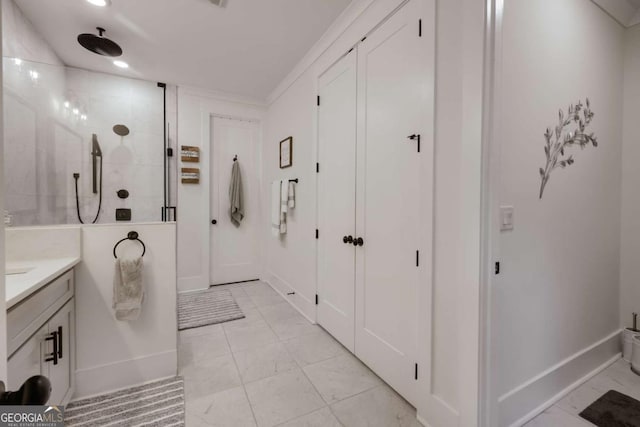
{"points": [[234, 250], [336, 199], [395, 100]]}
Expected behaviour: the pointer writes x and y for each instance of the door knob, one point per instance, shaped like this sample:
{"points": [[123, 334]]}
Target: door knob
{"points": [[347, 239], [214, 221], [358, 242]]}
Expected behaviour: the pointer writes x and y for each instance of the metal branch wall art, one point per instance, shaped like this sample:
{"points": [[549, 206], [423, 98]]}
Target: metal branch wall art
{"points": [[561, 139]]}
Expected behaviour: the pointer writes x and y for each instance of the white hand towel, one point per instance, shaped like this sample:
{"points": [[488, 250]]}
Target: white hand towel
{"points": [[292, 195], [284, 198], [275, 208], [128, 289]]}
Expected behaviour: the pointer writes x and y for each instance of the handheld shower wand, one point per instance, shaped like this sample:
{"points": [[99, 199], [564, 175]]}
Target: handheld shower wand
{"points": [[95, 153]]}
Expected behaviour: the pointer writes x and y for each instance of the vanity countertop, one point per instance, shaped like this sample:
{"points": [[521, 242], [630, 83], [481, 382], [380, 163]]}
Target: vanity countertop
{"points": [[38, 273]]}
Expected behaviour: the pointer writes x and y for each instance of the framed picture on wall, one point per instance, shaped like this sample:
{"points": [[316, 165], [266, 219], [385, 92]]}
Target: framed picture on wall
{"points": [[286, 153]]}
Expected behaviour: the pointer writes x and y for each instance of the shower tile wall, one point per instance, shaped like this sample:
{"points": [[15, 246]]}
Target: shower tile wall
{"points": [[50, 120]]}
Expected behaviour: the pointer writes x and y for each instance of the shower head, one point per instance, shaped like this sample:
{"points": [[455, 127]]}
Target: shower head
{"points": [[121, 130], [99, 44]]}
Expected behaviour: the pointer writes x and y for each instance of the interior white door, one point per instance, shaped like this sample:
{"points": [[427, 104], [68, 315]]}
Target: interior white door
{"points": [[234, 250], [336, 199], [394, 191]]}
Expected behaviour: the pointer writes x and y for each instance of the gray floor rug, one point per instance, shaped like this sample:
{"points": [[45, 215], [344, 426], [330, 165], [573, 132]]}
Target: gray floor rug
{"points": [[206, 307], [160, 403], [613, 409]]}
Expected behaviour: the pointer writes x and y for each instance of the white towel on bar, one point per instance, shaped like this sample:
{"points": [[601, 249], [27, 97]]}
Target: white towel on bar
{"points": [[275, 208], [284, 199], [292, 195], [128, 289]]}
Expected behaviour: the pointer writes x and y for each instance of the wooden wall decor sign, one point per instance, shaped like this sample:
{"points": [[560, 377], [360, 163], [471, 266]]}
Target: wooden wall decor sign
{"points": [[190, 175], [190, 154]]}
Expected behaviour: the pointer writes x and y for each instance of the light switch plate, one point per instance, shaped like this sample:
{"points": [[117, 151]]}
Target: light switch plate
{"points": [[506, 218]]}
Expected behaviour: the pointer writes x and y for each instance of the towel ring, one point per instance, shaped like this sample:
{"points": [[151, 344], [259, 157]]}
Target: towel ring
{"points": [[132, 235]]}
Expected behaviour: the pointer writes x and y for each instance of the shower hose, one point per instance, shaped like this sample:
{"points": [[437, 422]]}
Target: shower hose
{"points": [[76, 176]]}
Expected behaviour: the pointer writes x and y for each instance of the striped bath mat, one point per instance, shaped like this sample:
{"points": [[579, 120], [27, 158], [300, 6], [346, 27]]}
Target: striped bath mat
{"points": [[160, 403], [206, 307]]}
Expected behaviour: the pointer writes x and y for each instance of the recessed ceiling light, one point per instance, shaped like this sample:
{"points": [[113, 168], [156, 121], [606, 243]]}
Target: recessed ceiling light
{"points": [[120, 64], [101, 3]]}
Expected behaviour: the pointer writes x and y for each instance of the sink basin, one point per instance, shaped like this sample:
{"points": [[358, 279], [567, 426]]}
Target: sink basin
{"points": [[17, 270]]}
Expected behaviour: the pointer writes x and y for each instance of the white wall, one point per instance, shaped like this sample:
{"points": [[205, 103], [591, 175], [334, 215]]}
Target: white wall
{"points": [[3, 311], [290, 262], [630, 227], [195, 109], [113, 354], [556, 301]]}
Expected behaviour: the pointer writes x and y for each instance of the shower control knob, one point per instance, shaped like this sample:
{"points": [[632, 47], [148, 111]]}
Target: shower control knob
{"points": [[214, 221]]}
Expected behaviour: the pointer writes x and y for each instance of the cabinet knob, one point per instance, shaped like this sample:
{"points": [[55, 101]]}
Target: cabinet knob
{"points": [[347, 239], [358, 242], [214, 221]]}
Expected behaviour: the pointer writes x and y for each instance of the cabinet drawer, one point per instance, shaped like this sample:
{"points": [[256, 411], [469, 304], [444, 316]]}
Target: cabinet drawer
{"points": [[30, 314]]}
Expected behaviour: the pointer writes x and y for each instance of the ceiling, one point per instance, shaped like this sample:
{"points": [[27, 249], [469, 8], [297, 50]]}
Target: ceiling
{"points": [[246, 47], [626, 12]]}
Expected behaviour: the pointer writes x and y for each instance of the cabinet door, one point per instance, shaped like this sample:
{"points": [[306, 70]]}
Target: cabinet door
{"points": [[61, 374], [394, 193], [336, 199], [27, 361]]}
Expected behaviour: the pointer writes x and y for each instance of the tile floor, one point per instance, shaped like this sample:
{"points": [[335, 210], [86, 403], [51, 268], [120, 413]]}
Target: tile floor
{"points": [[274, 368], [617, 377]]}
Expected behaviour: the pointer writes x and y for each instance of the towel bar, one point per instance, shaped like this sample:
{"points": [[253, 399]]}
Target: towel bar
{"points": [[132, 235]]}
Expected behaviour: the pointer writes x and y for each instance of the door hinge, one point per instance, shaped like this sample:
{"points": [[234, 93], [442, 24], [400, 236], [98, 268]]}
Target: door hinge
{"points": [[497, 268], [316, 299], [169, 152], [318, 100], [417, 258], [317, 167], [416, 372], [419, 27], [317, 233]]}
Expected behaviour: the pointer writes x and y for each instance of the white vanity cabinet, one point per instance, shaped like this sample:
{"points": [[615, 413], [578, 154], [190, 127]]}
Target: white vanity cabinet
{"points": [[41, 338]]}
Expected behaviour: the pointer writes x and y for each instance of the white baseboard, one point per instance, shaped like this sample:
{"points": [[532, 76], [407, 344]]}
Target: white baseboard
{"points": [[529, 399], [304, 305], [194, 283], [125, 373]]}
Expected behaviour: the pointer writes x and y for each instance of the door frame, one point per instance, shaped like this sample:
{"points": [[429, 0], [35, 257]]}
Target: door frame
{"points": [[488, 410], [210, 174]]}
